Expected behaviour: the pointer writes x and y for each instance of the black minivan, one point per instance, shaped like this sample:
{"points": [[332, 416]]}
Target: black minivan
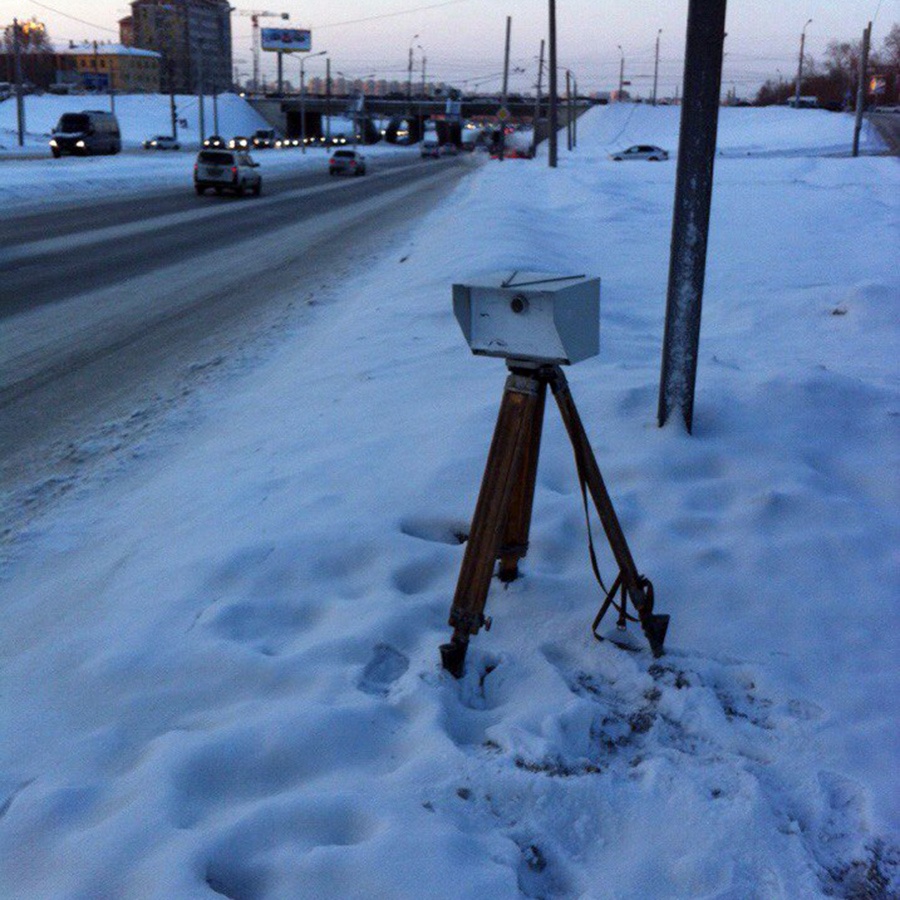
{"points": [[86, 132]]}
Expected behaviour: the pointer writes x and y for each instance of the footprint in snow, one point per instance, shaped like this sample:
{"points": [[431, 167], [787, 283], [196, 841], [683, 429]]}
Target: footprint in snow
{"points": [[385, 667]]}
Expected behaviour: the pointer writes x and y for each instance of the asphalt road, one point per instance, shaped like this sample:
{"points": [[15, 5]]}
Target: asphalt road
{"points": [[110, 315]]}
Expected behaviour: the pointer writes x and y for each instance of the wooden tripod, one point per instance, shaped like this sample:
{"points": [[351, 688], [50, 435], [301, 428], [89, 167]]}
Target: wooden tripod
{"points": [[502, 517]]}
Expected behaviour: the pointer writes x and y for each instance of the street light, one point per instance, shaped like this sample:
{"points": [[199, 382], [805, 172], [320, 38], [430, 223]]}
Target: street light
{"points": [[800, 65], [303, 60], [361, 79]]}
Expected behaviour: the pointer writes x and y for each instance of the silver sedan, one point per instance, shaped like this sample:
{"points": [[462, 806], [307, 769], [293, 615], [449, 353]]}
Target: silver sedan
{"points": [[640, 151]]}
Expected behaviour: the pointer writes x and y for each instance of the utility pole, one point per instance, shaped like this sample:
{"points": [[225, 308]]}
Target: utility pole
{"points": [[552, 113], [200, 92], [172, 108], [621, 72], [409, 69], [424, 97], [537, 103], [280, 73], [568, 110], [861, 87], [505, 87], [656, 66], [575, 119], [800, 66], [254, 25], [110, 71], [328, 101], [693, 197], [20, 100]]}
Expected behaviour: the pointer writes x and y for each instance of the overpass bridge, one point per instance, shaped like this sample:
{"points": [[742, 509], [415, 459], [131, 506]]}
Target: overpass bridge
{"points": [[402, 120]]}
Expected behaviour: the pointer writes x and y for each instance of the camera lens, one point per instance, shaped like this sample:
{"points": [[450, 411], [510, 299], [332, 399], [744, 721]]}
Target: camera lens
{"points": [[518, 304]]}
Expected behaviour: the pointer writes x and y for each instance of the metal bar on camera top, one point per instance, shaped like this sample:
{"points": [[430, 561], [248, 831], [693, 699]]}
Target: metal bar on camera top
{"points": [[508, 282]]}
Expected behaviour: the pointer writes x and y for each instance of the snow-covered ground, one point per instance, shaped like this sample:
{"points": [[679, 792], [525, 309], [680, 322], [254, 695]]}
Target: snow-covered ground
{"points": [[220, 671]]}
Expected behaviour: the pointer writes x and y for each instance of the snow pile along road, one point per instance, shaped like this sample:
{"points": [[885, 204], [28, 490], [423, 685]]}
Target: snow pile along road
{"points": [[220, 671], [140, 116]]}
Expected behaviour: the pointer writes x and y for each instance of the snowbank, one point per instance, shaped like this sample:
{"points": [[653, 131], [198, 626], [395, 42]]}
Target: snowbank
{"points": [[221, 670], [140, 116]]}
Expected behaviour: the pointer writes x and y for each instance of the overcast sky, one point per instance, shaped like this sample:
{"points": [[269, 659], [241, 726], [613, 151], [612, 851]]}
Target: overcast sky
{"points": [[463, 39]]}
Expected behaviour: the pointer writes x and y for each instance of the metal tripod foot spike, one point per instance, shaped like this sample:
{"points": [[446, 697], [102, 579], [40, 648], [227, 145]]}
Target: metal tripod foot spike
{"points": [[453, 657], [502, 519]]}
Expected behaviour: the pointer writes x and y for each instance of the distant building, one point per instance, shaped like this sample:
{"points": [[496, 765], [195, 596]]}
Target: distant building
{"points": [[193, 38], [104, 67], [126, 31]]}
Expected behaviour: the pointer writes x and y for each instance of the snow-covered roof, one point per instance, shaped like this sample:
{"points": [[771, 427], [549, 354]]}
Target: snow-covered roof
{"points": [[108, 50]]}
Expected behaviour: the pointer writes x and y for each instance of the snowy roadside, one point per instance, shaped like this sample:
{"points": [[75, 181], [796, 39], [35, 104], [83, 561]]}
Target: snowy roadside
{"points": [[225, 664]]}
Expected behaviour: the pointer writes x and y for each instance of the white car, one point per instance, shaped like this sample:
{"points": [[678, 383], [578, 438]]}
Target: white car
{"points": [[161, 142], [641, 151], [227, 170], [346, 162]]}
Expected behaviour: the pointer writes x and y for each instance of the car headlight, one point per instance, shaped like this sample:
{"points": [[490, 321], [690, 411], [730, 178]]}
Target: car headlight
{"points": [[80, 144], [53, 143]]}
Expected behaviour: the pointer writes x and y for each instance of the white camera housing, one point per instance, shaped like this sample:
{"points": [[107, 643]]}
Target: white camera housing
{"points": [[531, 316]]}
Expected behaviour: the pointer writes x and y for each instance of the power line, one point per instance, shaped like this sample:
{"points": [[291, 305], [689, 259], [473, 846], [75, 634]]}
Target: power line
{"points": [[73, 18], [402, 12]]}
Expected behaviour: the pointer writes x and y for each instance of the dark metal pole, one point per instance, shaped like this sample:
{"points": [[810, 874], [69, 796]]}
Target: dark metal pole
{"points": [[656, 66], [800, 66], [693, 197], [568, 110], [537, 103], [172, 107], [302, 108], [200, 93], [552, 112], [109, 86], [621, 73], [20, 100], [327, 100], [575, 119], [505, 89], [280, 73], [861, 87]]}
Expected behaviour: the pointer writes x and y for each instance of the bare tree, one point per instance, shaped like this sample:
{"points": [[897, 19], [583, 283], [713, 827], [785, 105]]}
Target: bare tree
{"points": [[891, 45]]}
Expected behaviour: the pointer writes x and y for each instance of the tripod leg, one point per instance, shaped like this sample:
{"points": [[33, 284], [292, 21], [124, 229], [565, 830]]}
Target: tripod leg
{"points": [[491, 512], [654, 626], [514, 545]]}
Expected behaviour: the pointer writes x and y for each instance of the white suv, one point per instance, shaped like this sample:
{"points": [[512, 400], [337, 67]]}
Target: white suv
{"points": [[231, 170]]}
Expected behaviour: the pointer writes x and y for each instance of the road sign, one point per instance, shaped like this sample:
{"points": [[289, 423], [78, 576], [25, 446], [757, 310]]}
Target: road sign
{"points": [[503, 114]]}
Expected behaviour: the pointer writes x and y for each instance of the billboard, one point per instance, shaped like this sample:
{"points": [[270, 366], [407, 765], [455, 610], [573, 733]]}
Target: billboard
{"points": [[287, 40]]}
